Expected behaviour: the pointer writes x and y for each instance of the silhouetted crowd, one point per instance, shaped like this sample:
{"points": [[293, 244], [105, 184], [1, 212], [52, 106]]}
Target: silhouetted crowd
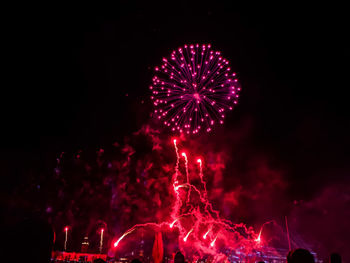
{"points": [[299, 255], [37, 238]]}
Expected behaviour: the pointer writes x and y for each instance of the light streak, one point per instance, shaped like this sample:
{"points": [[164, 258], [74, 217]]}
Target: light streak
{"points": [[124, 235], [177, 159], [66, 238], [213, 242], [205, 235], [187, 176], [101, 240], [172, 224], [258, 239], [189, 232], [186, 166]]}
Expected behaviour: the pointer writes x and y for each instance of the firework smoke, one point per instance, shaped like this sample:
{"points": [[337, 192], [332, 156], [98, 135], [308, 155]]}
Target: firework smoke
{"points": [[191, 208], [133, 182]]}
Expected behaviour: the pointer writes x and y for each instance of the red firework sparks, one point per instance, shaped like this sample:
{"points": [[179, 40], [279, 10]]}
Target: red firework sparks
{"points": [[258, 239], [193, 89], [213, 242], [206, 233], [195, 219], [189, 232]]}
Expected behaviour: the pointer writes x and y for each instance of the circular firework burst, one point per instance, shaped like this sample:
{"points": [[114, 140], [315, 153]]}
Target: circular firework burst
{"points": [[193, 89]]}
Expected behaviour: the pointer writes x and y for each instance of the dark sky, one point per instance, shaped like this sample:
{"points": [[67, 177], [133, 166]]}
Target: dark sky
{"points": [[76, 77]]}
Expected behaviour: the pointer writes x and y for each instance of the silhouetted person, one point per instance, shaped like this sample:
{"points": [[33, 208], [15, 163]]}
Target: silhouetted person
{"points": [[300, 255], [179, 258], [135, 260], [334, 258]]}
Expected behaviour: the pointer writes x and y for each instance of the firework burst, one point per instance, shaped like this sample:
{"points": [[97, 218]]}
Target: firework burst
{"points": [[194, 89]]}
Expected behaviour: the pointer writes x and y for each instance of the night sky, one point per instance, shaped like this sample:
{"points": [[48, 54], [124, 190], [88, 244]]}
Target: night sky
{"points": [[77, 79]]}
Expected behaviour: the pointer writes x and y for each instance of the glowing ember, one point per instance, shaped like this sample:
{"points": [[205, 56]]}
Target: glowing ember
{"points": [[196, 96], [65, 238], [124, 235], [258, 239], [213, 242], [205, 235], [193, 89], [172, 224], [189, 232], [101, 240]]}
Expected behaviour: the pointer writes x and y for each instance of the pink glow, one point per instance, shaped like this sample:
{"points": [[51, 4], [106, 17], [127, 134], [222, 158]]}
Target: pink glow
{"points": [[187, 90], [191, 208]]}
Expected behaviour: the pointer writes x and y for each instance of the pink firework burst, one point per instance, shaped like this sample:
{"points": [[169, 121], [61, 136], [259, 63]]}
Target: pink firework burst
{"points": [[194, 89]]}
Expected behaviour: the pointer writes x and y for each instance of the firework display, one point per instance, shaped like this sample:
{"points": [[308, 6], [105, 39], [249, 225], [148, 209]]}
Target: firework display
{"points": [[191, 92], [198, 224], [176, 132], [194, 89]]}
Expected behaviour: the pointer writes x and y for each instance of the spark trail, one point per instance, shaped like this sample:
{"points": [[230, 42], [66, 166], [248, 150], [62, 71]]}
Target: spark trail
{"points": [[206, 233], [186, 165], [187, 176], [101, 240], [66, 238], [258, 239], [213, 242], [128, 232], [191, 209], [189, 232], [172, 224]]}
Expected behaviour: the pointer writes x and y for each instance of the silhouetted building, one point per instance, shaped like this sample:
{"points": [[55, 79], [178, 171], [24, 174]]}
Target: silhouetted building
{"points": [[85, 245]]}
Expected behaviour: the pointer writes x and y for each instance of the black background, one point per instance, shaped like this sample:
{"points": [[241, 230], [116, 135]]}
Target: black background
{"points": [[77, 77]]}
